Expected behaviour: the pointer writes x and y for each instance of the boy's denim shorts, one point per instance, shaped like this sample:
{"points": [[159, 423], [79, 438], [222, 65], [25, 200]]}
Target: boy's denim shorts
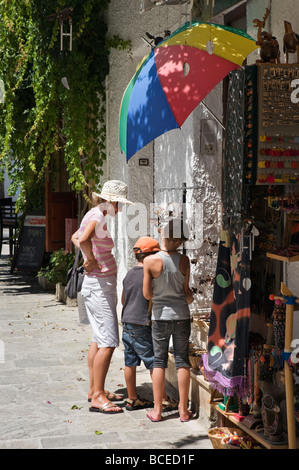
{"points": [[137, 340], [180, 331]]}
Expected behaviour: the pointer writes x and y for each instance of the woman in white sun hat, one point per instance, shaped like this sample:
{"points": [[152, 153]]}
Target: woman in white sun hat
{"points": [[99, 290]]}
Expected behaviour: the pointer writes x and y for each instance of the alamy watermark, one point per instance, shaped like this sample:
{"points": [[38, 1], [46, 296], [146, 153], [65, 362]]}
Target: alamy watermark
{"points": [[138, 220], [295, 93], [295, 353], [2, 91], [2, 352]]}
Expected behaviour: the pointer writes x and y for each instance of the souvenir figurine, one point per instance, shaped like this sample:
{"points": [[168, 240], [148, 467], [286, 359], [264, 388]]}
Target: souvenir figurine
{"points": [[290, 41], [269, 46]]}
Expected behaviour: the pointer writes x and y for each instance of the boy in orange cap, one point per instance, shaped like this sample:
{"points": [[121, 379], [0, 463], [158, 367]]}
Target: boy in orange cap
{"points": [[136, 321]]}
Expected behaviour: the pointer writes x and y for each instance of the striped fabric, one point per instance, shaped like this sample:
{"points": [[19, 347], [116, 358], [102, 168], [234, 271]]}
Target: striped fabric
{"points": [[102, 244]]}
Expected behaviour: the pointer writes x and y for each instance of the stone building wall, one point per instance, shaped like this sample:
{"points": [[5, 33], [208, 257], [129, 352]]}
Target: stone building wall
{"points": [[178, 157]]}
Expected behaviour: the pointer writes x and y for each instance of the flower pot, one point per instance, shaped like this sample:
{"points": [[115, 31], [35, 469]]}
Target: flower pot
{"points": [[62, 297], [60, 292], [45, 284]]}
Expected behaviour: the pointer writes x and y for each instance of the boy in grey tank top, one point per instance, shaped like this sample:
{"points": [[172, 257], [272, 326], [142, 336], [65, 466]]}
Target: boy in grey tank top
{"points": [[166, 281]]}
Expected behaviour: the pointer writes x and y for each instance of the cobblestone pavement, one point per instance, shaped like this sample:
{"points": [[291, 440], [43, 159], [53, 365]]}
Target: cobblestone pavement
{"points": [[44, 382]]}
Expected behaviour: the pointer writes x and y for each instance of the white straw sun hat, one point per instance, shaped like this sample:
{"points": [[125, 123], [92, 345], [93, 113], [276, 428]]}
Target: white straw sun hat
{"points": [[114, 191]]}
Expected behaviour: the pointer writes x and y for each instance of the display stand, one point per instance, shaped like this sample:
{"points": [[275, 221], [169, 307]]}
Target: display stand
{"points": [[228, 419], [225, 417], [290, 300]]}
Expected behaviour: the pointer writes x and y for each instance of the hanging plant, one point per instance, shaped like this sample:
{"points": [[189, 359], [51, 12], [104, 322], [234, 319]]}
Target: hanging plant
{"points": [[54, 100]]}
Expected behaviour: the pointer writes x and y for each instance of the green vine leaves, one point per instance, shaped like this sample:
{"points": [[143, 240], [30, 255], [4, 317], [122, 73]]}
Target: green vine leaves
{"points": [[40, 115]]}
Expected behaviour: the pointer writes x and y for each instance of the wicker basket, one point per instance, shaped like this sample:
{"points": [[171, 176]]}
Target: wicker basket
{"points": [[216, 436], [195, 357], [194, 360]]}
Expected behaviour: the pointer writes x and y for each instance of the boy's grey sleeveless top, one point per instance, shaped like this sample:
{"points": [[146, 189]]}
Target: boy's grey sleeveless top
{"points": [[169, 300], [135, 307]]}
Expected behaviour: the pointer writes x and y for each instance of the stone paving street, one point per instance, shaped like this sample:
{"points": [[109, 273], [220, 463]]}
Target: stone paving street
{"points": [[44, 381]]}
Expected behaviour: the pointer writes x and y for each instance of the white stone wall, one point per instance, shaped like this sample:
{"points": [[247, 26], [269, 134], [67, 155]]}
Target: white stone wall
{"points": [[179, 159], [124, 19], [176, 157]]}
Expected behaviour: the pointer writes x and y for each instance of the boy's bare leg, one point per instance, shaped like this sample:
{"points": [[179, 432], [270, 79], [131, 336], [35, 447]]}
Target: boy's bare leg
{"points": [[184, 384], [158, 378], [164, 391], [130, 378]]}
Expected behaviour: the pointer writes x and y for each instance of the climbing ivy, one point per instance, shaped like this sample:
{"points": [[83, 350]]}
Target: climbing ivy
{"points": [[54, 100]]}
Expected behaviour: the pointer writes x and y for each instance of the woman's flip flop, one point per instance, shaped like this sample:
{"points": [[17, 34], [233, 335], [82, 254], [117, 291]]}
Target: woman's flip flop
{"points": [[149, 416], [191, 416], [106, 406]]}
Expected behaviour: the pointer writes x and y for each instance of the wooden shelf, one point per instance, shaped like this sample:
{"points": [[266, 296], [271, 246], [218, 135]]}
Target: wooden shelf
{"points": [[201, 323], [256, 435], [292, 259]]}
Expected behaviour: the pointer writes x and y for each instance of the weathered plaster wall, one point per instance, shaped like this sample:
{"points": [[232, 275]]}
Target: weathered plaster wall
{"points": [[178, 160], [176, 157], [124, 19]]}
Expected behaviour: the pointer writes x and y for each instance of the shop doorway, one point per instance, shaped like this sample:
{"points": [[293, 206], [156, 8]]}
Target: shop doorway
{"points": [[61, 203]]}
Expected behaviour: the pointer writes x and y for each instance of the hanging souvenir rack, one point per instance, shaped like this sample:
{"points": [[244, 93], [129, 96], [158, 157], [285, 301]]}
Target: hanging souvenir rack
{"points": [[278, 125]]}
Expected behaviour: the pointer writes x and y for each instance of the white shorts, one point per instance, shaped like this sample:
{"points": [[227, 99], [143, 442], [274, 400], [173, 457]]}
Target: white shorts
{"points": [[100, 300]]}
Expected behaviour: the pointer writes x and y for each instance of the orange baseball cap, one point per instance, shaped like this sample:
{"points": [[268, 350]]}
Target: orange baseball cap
{"points": [[146, 245]]}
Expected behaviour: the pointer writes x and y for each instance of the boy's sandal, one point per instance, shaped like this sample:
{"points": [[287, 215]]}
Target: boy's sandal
{"points": [[114, 396], [137, 404], [169, 404]]}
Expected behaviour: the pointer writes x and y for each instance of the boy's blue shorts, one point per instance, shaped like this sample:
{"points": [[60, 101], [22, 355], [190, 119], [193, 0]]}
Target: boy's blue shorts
{"points": [[137, 340]]}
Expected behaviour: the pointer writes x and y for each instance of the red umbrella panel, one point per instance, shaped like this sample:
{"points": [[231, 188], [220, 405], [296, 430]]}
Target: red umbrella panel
{"points": [[203, 73]]}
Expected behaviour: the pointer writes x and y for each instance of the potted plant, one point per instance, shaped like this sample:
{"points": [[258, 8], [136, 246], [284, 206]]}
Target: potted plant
{"points": [[55, 272]]}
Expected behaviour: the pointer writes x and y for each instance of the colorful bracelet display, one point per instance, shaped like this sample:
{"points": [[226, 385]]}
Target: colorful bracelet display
{"points": [[279, 138], [271, 178], [278, 164], [287, 160], [279, 152]]}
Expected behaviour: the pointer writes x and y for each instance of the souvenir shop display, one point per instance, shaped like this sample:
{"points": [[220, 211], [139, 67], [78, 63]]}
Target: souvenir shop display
{"points": [[248, 358], [250, 130], [256, 375], [240, 153], [229, 320]]}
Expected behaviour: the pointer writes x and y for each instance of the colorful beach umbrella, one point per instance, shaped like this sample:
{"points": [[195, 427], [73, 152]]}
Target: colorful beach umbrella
{"points": [[175, 77]]}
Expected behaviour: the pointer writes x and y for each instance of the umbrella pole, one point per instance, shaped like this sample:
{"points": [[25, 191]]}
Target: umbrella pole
{"points": [[208, 109]]}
